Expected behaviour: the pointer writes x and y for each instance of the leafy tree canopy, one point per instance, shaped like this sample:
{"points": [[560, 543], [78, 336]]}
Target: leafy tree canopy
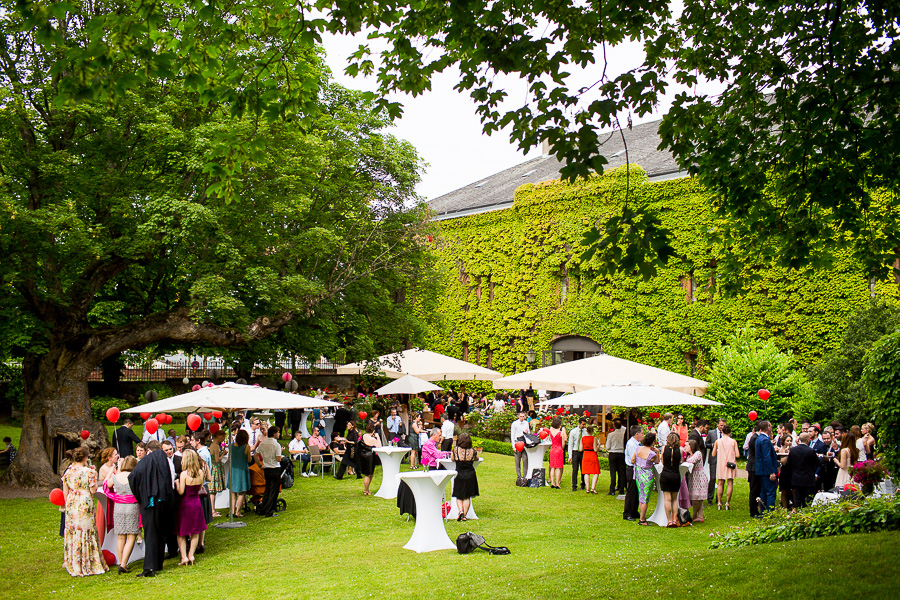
{"points": [[743, 366], [883, 376], [841, 389], [158, 215], [798, 136]]}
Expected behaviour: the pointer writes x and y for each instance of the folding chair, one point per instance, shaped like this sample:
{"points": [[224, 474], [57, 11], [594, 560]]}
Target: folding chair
{"points": [[319, 460]]}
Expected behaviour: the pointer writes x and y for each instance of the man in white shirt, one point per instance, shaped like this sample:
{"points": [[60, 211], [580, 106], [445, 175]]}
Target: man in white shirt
{"points": [[253, 430], [575, 454], [299, 451], [630, 512], [268, 456], [499, 404], [393, 424], [158, 436], [664, 429], [516, 432], [615, 446], [447, 429]]}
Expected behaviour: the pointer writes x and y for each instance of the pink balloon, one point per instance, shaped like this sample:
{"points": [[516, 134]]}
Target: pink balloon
{"points": [[287, 377], [196, 387]]}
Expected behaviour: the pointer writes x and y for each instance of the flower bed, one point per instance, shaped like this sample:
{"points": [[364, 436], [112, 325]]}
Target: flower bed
{"points": [[861, 515]]}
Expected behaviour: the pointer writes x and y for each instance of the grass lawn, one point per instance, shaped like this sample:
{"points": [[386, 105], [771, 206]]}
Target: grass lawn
{"points": [[334, 542]]}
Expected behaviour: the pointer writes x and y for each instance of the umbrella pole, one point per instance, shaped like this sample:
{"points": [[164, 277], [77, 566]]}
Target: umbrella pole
{"points": [[231, 524]]}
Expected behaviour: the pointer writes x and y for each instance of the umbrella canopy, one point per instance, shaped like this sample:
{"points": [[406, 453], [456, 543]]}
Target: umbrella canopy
{"points": [[601, 370], [424, 364], [629, 396], [408, 384], [229, 397]]}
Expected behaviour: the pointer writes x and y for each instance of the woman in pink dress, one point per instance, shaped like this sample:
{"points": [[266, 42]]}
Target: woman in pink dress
{"points": [[190, 521], [725, 449], [698, 481], [557, 457]]}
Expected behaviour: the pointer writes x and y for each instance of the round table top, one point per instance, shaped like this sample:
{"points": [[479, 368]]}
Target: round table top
{"points": [[434, 475], [390, 450]]}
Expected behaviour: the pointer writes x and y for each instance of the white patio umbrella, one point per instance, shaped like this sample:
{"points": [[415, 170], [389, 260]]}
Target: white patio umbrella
{"points": [[629, 396], [597, 371], [424, 364], [230, 397], [409, 384]]}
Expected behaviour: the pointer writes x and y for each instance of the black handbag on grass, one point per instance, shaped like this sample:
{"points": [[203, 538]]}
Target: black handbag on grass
{"points": [[468, 542]]}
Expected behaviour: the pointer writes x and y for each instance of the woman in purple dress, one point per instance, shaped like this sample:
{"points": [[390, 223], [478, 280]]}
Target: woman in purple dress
{"points": [[190, 521]]}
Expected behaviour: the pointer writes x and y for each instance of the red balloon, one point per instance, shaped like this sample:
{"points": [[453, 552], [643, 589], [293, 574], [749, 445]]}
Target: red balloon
{"points": [[109, 557], [57, 498], [160, 418], [145, 416], [764, 394], [543, 434], [85, 434], [210, 385], [217, 414], [208, 416], [520, 446], [214, 428], [169, 418], [151, 425], [193, 422], [362, 415], [196, 387], [752, 415], [287, 377], [112, 414]]}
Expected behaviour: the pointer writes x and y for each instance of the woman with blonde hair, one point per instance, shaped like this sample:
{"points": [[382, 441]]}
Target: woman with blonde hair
{"points": [[190, 519], [217, 473]]}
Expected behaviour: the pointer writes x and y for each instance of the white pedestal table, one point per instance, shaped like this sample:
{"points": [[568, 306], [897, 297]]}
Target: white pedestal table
{"points": [[659, 514], [391, 456], [535, 456], [428, 489], [450, 465]]}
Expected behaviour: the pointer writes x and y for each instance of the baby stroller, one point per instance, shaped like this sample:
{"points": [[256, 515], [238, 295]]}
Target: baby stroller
{"points": [[258, 489]]}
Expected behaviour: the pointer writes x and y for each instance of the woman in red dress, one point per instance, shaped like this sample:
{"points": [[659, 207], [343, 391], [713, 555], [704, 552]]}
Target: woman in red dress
{"points": [[557, 457], [589, 463]]}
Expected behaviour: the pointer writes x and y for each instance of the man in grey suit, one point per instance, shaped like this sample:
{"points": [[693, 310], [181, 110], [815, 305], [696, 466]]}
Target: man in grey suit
{"points": [[711, 437]]}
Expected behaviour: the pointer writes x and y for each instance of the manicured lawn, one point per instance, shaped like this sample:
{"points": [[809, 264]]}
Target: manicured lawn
{"points": [[334, 542]]}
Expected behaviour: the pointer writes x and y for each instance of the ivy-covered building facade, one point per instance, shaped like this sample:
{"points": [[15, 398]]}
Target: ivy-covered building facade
{"points": [[517, 295]]}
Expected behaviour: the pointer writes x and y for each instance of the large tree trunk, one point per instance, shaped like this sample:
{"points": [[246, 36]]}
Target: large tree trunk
{"points": [[57, 408]]}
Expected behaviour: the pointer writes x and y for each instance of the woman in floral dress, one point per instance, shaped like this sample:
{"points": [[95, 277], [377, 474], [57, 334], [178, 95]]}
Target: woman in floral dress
{"points": [[698, 481], [82, 545], [217, 483]]}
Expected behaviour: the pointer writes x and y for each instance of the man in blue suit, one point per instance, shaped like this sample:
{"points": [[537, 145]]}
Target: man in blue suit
{"points": [[766, 467]]}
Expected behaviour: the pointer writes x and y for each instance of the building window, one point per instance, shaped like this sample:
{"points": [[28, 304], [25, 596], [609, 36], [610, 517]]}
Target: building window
{"points": [[489, 358], [690, 361], [477, 356], [491, 291], [465, 355], [689, 285], [564, 290]]}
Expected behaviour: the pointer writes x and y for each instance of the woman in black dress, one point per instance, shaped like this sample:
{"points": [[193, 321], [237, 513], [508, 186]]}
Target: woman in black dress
{"points": [[366, 464], [465, 486], [670, 478]]}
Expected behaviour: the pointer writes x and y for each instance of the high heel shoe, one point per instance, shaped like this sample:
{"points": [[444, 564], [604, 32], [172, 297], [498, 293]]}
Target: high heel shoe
{"points": [[727, 506], [720, 506], [123, 570]]}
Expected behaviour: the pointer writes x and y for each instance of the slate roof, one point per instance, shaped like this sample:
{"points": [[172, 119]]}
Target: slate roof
{"points": [[498, 190]]}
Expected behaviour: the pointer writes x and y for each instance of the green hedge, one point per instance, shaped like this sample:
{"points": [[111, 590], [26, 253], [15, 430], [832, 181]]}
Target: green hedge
{"points": [[846, 516]]}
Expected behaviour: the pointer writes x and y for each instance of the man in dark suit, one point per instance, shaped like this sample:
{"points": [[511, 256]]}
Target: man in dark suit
{"points": [[829, 470], [697, 434], [819, 447], [711, 437], [803, 462], [766, 467], [752, 479], [124, 439]]}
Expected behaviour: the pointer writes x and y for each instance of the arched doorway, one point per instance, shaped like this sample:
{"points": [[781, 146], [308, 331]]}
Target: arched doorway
{"points": [[568, 348]]}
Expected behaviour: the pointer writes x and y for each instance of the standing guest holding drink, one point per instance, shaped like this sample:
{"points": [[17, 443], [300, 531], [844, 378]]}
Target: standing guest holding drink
{"points": [[698, 481], [643, 463], [682, 430], [847, 458], [465, 485], [125, 514], [557, 456], [370, 441], [81, 555]]}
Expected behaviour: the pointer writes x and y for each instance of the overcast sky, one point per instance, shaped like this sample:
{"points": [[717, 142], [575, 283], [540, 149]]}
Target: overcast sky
{"points": [[446, 131]]}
